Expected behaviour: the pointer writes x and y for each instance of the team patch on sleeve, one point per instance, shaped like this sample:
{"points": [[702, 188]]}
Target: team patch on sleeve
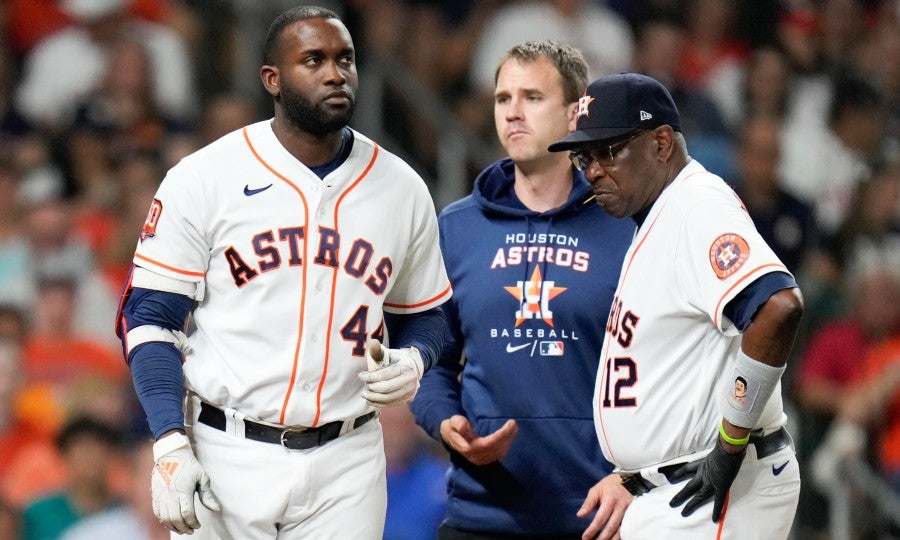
{"points": [[149, 228], [727, 254]]}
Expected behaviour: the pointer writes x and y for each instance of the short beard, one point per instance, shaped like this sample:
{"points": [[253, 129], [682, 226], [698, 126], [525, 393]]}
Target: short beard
{"points": [[312, 118]]}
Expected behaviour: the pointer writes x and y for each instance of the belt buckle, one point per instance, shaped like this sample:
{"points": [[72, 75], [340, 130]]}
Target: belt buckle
{"points": [[288, 431]]}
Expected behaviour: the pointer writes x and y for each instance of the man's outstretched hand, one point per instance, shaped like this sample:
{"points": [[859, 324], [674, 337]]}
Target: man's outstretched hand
{"points": [[459, 435]]}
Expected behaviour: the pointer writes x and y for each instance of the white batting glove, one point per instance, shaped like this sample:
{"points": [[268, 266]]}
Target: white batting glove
{"points": [[176, 476], [393, 376]]}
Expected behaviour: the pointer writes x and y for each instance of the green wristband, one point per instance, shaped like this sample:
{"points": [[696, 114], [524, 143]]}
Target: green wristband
{"points": [[732, 440]]}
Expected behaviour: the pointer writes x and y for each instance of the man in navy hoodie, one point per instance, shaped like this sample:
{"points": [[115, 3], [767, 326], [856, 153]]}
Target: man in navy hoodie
{"points": [[533, 268]]}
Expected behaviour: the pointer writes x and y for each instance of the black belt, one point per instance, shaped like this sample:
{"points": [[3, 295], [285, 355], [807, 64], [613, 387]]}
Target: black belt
{"points": [[766, 445], [293, 438]]}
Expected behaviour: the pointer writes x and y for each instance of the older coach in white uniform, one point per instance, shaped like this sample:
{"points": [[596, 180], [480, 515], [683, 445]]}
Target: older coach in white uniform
{"points": [[688, 396]]}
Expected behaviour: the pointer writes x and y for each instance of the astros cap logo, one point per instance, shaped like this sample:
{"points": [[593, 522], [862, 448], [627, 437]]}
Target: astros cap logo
{"points": [[583, 103]]}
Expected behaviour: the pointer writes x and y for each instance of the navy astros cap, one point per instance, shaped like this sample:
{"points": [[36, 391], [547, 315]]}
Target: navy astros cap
{"points": [[618, 104]]}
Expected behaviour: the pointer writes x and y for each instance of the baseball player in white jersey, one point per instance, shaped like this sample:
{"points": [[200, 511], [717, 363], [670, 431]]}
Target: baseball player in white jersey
{"points": [[687, 403], [293, 243]]}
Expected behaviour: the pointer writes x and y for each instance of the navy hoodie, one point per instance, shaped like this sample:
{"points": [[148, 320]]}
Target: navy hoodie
{"points": [[531, 295]]}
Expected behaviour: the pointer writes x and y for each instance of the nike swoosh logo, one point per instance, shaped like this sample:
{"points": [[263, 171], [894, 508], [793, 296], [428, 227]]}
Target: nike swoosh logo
{"points": [[248, 192], [511, 349], [777, 470]]}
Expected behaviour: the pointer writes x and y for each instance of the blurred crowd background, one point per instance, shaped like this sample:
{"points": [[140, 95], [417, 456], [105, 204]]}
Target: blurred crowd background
{"points": [[793, 102]]}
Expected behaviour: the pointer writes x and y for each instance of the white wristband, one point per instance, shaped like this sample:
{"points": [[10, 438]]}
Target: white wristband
{"points": [[168, 444], [749, 389]]}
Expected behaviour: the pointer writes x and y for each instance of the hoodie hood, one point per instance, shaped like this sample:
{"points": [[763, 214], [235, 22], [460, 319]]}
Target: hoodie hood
{"points": [[494, 193]]}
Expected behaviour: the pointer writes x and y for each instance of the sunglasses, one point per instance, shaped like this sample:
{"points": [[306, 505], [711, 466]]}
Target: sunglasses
{"points": [[603, 154]]}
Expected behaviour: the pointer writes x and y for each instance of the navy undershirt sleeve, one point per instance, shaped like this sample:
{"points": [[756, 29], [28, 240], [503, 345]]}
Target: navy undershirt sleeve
{"points": [[159, 384], [156, 366], [743, 307], [425, 331]]}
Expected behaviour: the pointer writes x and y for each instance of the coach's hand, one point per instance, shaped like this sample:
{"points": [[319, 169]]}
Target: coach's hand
{"points": [[712, 477], [393, 376], [457, 432], [176, 476], [611, 499]]}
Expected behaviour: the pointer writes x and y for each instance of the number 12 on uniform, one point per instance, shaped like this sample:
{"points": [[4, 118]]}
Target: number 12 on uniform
{"points": [[624, 369]]}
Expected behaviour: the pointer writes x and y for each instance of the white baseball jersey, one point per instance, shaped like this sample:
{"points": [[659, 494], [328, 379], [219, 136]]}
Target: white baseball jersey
{"points": [[668, 348], [296, 270]]}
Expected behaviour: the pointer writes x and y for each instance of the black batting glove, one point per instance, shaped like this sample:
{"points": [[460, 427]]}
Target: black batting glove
{"points": [[712, 477]]}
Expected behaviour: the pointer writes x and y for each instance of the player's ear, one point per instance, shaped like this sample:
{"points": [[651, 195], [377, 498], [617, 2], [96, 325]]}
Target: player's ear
{"points": [[270, 77], [664, 138]]}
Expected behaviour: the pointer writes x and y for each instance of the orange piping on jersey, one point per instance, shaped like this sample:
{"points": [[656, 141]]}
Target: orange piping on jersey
{"points": [[751, 274], [722, 516], [167, 267], [424, 302], [334, 272], [296, 361], [650, 228], [606, 348]]}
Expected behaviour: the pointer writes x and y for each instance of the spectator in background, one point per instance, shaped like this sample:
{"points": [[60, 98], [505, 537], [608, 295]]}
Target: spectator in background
{"points": [[870, 233], [811, 85], [10, 522], [873, 404], [876, 53], [831, 361], [13, 249], [69, 64], [30, 21], [54, 353], [434, 42], [13, 124], [713, 58], [111, 230], [786, 223], [133, 520], [823, 165], [603, 35], [17, 433], [120, 116], [657, 54], [51, 246], [866, 426], [13, 323], [834, 353], [89, 449], [416, 490], [842, 25], [868, 237], [765, 88], [225, 113]]}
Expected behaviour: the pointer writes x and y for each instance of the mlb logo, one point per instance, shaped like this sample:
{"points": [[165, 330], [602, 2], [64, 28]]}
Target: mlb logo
{"points": [[552, 348]]}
